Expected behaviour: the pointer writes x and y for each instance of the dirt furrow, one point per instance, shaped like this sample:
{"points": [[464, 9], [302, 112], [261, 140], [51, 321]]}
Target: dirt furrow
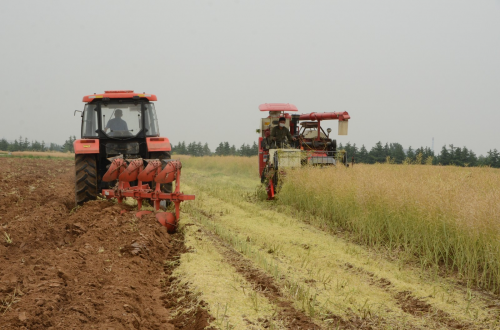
{"points": [[409, 303], [267, 285], [264, 284], [65, 268]]}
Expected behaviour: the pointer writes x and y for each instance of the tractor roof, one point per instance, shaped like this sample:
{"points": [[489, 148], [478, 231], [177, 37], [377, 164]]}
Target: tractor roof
{"points": [[277, 107], [123, 94]]}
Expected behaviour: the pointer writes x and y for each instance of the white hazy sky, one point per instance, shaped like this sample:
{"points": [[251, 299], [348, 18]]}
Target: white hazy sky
{"points": [[406, 71]]}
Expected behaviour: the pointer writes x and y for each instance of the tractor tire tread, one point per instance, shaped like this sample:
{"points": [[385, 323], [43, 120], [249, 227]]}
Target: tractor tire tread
{"points": [[85, 178]]}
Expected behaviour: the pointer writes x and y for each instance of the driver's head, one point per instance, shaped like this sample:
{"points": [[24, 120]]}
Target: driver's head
{"points": [[118, 113], [282, 121]]}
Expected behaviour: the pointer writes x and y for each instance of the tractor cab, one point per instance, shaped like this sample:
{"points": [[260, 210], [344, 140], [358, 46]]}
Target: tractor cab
{"points": [[119, 115], [119, 119]]}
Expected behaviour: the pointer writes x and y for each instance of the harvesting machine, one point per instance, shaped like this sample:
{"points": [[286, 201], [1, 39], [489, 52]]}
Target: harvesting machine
{"points": [[311, 145], [121, 154]]}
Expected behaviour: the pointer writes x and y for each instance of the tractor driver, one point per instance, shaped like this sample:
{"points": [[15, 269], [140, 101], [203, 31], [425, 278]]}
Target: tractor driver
{"points": [[117, 123], [280, 133]]}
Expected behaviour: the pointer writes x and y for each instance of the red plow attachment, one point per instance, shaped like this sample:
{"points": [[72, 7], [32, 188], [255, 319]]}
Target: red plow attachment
{"points": [[152, 173]]}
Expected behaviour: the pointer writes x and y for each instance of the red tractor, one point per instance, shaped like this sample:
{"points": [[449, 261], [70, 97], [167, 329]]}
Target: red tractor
{"points": [[312, 145], [121, 154]]}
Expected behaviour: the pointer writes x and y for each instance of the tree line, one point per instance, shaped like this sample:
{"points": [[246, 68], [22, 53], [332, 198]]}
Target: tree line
{"points": [[224, 149], [23, 144], [394, 153]]}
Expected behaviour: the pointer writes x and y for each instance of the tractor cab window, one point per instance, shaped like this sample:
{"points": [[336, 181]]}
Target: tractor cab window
{"points": [[151, 120], [89, 124], [121, 120]]}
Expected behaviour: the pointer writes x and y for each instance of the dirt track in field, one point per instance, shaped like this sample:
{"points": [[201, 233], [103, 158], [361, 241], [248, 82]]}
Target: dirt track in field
{"points": [[91, 267], [265, 285]]}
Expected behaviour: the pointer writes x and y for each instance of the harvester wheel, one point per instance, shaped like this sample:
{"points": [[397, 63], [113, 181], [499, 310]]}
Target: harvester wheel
{"points": [[165, 187], [334, 145], [263, 176], [276, 174], [86, 178]]}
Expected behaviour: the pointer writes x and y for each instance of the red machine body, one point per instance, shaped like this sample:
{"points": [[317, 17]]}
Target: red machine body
{"points": [[316, 146], [122, 154], [119, 94]]}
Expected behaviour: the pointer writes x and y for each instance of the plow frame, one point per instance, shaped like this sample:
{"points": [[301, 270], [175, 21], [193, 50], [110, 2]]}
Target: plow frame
{"points": [[139, 192]]}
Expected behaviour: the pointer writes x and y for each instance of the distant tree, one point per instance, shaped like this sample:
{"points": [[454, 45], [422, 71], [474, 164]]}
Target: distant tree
{"points": [[183, 149], [387, 150], [4, 145], [377, 154], [420, 156], [351, 150], [68, 145], [471, 159], [493, 158], [362, 155], [36, 146], [192, 149], [219, 151], [410, 154], [227, 149], [55, 147], [243, 150], [457, 157], [25, 145], [254, 151], [206, 150], [397, 153], [445, 156], [14, 146]]}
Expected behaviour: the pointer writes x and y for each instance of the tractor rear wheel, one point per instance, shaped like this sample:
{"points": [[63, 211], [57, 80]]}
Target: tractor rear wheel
{"points": [[86, 178]]}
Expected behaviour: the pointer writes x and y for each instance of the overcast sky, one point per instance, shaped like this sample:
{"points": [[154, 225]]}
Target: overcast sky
{"points": [[406, 71]]}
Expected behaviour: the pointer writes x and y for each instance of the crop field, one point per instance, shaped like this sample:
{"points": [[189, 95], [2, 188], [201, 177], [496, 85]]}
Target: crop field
{"points": [[368, 247]]}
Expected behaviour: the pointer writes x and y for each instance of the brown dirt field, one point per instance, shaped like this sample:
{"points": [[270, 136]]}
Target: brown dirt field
{"points": [[86, 268]]}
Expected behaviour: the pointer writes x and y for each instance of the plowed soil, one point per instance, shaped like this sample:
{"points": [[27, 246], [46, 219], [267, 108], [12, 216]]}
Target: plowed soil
{"points": [[96, 266]]}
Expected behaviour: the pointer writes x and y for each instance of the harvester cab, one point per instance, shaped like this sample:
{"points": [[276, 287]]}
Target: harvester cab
{"points": [[312, 145], [121, 154]]}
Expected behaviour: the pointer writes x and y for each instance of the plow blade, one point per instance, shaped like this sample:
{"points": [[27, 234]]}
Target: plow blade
{"points": [[151, 171], [169, 173], [167, 219], [117, 166], [132, 171]]}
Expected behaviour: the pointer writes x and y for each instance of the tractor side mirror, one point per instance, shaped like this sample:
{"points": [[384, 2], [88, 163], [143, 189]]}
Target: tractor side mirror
{"points": [[328, 130], [74, 113]]}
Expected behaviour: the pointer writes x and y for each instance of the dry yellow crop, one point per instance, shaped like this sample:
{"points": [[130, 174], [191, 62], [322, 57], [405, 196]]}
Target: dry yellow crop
{"points": [[448, 217]]}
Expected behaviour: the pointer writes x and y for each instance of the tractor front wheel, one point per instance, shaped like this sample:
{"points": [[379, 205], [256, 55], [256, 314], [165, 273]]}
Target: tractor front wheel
{"points": [[86, 178]]}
